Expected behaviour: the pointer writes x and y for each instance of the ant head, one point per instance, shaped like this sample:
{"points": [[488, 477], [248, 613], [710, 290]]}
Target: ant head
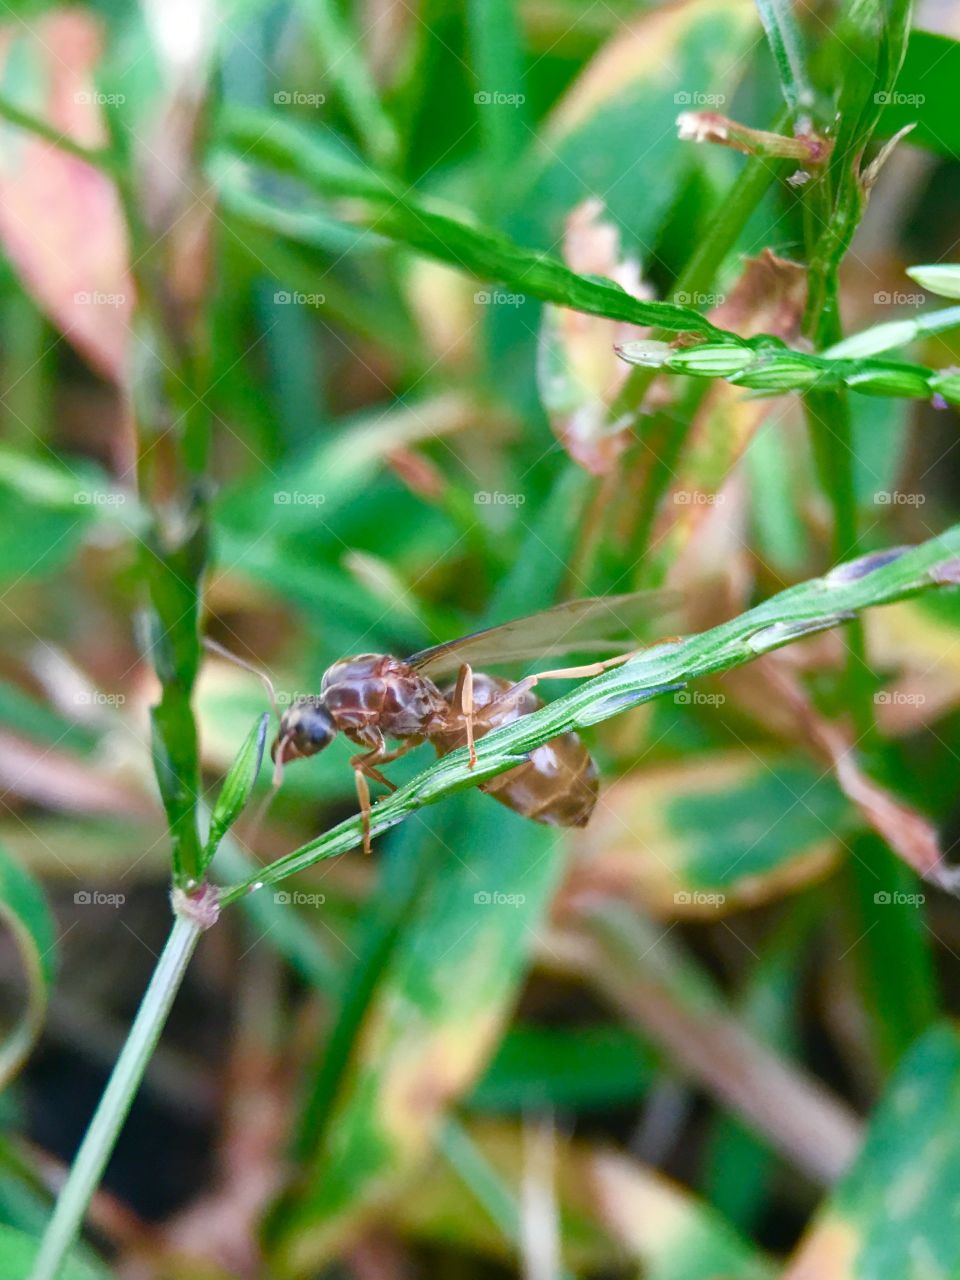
{"points": [[305, 728]]}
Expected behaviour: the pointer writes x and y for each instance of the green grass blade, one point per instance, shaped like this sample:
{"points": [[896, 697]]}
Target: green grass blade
{"points": [[786, 45], [19, 1252], [497, 58], [484, 253], [25, 914], [340, 52], [813, 606]]}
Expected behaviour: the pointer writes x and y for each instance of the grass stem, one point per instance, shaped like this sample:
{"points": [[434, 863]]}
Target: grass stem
{"points": [[101, 1136]]}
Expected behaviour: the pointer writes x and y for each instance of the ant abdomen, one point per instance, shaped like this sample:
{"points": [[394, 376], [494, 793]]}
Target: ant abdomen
{"points": [[558, 784]]}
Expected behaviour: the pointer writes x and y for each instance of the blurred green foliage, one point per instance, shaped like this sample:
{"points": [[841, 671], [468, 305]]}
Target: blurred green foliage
{"points": [[308, 345]]}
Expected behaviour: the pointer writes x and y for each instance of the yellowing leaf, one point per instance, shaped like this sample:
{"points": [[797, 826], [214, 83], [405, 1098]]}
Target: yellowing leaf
{"points": [[709, 836], [894, 1215], [610, 1207], [920, 650], [645, 52]]}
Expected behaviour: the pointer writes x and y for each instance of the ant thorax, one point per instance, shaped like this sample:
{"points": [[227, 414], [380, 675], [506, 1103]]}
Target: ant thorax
{"points": [[374, 691]]}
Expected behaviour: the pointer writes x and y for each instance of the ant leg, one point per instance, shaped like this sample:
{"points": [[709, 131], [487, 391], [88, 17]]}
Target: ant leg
{"points": [[566, 673], [386, 758], [589, 669], [377, 776], [364, 766], [363, 797], [463, 706]]}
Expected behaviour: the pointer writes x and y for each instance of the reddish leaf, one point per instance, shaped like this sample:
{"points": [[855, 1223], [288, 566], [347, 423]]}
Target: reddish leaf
{"points": [[60, 219]]}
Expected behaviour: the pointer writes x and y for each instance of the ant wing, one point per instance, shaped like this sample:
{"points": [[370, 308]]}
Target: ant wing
{"points": [[602, 625]]}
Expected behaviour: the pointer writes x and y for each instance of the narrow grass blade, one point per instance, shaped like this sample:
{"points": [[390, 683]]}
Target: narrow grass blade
{"points": [[813, 606], [786, 45], [25, 913]]}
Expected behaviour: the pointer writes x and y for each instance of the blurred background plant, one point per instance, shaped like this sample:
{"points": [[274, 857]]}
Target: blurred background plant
{"points": [[311, 321]]}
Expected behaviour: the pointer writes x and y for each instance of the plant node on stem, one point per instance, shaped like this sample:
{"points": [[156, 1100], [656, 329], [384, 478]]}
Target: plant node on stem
{"points": [[199, 904]]}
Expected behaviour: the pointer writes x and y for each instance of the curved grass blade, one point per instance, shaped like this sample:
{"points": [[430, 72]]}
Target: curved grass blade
{"points": [[25, 913], [256, 138], [786, 45]]}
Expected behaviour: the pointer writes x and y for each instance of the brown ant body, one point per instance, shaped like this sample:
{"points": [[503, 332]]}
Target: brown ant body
{"points": [[372, 697]]}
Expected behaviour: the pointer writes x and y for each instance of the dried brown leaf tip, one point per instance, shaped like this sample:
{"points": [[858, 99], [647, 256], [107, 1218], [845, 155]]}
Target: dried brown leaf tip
{"points": [[769, 297], [911, 835]]}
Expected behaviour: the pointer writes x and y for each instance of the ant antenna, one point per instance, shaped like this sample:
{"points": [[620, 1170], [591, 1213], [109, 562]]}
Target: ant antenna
{"points": [[215, 647]]}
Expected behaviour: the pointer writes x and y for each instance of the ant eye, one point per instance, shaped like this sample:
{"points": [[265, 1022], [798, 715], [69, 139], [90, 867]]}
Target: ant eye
{"points": [[305, 729], [318, 731]]}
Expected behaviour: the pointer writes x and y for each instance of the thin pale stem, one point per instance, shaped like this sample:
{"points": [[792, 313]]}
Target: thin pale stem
{"points": [[101, 1136]]}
